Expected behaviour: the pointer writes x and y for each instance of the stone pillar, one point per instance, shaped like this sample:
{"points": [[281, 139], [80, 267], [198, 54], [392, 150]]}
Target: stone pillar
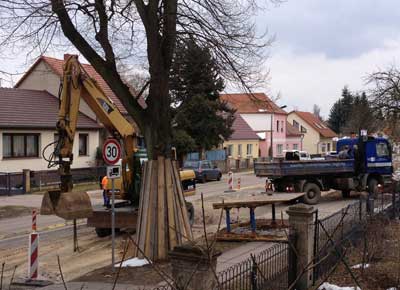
{"points": [[190, 266], [26, 180], [301, 226]]}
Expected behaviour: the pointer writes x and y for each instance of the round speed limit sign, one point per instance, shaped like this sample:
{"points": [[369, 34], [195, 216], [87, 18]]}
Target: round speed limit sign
{"points": [[111, 151]]}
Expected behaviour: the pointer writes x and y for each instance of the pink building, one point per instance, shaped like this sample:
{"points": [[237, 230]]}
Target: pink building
{"points": [[265, 118]]}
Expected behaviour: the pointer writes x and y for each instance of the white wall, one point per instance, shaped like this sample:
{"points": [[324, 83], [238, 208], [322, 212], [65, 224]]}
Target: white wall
{"points": [[258, 122], [46, 137], [43, 78]]}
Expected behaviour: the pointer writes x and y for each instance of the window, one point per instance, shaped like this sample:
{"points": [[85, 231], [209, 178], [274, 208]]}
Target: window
{"points": [[282, 126], [83, 144], [279, 149], [323, 147], [295, 146], [205, 165], [296, 125], [20, 145], [240, 149], [249, 149], [277, 126], [303, 129], [382, 149], [328, 147], [230, 150]]}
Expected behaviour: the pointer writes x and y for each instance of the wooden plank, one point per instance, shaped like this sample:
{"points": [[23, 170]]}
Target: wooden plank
{"points": [[170, 207], [143, 196], [154, 213], [143, 225], [183, 210], [178, 226], [162, 254], [256, 201], [150, 213]]}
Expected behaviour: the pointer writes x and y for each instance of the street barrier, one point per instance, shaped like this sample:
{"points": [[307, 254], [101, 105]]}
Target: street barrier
{"points": [[230, 182], [33, 267]]}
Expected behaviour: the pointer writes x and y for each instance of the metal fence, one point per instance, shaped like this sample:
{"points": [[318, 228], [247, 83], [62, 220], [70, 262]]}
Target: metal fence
{"points": [[47, 178], [334, 232], [267, 271], [11, 183]]}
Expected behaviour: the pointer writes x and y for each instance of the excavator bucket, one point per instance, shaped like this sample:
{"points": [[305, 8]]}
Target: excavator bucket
{"points": [[67, 205]]}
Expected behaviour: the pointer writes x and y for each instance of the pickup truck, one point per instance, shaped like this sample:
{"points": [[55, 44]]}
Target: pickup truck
{"points": [[363, 164]]}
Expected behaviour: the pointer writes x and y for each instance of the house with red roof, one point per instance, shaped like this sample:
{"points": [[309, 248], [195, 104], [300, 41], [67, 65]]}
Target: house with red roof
{"points": [[318, 137], [267, 120], [46, 73], [27, 126]]}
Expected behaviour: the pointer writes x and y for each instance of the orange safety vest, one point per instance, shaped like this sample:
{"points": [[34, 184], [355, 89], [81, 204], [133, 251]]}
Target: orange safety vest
{"points": [[104, 182]]}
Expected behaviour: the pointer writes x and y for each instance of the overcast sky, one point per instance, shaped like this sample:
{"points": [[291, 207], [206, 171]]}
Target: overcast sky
{"points": [[320, 46]]}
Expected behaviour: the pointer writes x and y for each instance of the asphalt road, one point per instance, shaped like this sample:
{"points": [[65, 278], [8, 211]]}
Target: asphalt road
{"points": [[13, 231]]}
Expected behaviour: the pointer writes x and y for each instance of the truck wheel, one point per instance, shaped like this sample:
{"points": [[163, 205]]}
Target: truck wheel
{"points": [[373, 187], [190, 209], [103, 232], [346, 193], [312, 193]]}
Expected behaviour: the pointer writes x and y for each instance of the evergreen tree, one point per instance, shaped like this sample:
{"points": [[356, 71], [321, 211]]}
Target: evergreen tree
{"points": [[198, 111], [341, 111]]}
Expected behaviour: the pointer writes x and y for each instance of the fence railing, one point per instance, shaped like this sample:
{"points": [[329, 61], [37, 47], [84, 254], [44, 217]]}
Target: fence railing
{"points": [[45, 178], [12, 182], [333, 232], [267, 271]]}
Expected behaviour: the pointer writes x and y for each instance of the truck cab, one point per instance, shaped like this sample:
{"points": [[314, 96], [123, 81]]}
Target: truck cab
{"points": [[371, 156]]}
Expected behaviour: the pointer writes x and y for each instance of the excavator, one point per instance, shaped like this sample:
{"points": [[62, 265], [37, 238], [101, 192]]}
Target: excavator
{"points": [[70, 205]]}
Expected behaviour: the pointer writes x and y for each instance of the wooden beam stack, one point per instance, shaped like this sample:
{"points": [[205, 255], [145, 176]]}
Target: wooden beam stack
{"points": [[163, 221]]}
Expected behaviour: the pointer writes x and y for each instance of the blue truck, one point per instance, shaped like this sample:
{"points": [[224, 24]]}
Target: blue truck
{"points": [[362, 164]]}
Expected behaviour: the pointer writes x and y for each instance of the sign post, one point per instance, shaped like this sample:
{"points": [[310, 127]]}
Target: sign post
{"points": [[111, 155]]}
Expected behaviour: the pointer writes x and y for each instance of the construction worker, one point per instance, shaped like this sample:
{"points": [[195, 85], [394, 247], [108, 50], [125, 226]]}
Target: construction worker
{"points": [[104, 183]]}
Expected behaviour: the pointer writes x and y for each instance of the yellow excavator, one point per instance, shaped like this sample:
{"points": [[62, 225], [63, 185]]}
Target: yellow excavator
{"points": [[65, 203]]}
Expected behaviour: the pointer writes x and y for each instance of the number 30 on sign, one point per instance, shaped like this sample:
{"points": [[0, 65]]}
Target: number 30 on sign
{"points": [[111, 151]]}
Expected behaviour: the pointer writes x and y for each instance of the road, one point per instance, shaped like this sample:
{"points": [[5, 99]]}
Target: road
{"points": [[14, 230], [56, 235]]}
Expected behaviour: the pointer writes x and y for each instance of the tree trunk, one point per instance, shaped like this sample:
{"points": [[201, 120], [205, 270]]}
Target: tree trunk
{"points": [[163, 222]]}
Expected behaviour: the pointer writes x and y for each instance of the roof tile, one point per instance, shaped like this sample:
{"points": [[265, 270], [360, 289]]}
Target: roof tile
{"points": [[20, 108], [57, 66], [316, 123], [241, 130], [252, 103]]}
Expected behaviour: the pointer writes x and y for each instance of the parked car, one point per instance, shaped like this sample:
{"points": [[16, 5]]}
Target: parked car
{"points": [[203, 169]]}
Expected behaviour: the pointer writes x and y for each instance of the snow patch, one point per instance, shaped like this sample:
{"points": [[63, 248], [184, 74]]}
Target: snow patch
{"points": [[327, 286], [359, 266], [134, 262]]}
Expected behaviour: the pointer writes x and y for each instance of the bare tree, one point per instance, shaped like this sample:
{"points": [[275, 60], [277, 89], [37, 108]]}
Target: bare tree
{"points": [[110, 33], [317, 111], [385, 97]]}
